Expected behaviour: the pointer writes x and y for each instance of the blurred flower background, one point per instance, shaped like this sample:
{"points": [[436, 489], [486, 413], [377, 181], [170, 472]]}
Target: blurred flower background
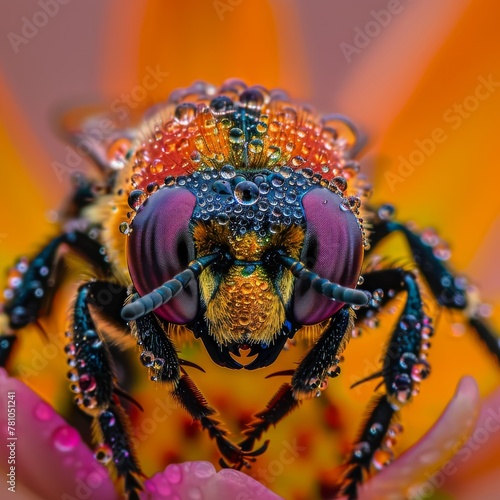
{"points": [[420, 79]]}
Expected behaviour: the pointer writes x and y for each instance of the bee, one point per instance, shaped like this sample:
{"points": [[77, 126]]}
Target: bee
{"points": [[238, 217]]}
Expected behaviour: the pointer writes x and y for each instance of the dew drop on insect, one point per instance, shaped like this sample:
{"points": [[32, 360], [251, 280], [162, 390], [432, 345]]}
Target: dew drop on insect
{"points": [[344, 206], [277, 180], [420, 371], [252, 98], [185, 113], [441, 251], [70, 349], [158, 364], [87, 382], [246, 193], [255, 146], [394, 430], [222, 219], [221, 104], [43, 411], [386, 212], [376, 429], [382, 458], [356, 333], [361, 449], [65, 438], [227, 172], [297, 161], [107, 418], [261, 127], [136, 199], [124, 228], [236, 136], [147, 358], [117, 152], [361, 280], [103, 453], [264, 188]]}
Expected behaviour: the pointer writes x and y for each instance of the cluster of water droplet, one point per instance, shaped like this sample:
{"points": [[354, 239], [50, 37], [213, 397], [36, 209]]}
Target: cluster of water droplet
{"points": [[15, 278], [413, 368], [243, 134], [83, 383], [321, 383], [260, 202], [155, 364], [383, 455]]}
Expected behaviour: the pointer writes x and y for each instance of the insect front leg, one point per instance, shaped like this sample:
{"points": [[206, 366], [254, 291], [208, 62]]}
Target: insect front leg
{"points": [[404, 366], [308, 379], [32, 285], [93, 379], [160, 356]]}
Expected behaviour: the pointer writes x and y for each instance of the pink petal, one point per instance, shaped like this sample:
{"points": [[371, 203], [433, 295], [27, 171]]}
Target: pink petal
{"points": [[477, 464], [50, 458], [433, 453], [200, 481]]}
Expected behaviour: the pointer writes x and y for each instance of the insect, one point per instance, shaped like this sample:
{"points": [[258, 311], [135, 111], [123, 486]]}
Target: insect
{"points": [[236, 217]]}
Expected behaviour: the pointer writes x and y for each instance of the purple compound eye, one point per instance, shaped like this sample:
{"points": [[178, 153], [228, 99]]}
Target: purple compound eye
{"points": [[333, 248], [160, 246]]}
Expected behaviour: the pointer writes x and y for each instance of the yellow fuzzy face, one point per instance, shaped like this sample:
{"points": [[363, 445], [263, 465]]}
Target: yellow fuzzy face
{"points": [[245, 303]]}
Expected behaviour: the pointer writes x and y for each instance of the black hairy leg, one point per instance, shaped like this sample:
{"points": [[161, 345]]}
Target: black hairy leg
{"points": [[449, 290], [404, 366], [308, 379], [160, 356], [93, 379], [34, 285]]}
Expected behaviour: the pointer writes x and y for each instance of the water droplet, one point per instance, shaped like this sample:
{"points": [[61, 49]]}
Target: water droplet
{"points": [[221, 104], [87, 383], [407, 359], [124, 228], [246, 193], [277, 180], [236, 136], [70, 349], [65, 438], [158, 364], [361, 449], [252, 99], [147, 358], [117, 153], [136, 199], [103, 454], [107, 418], [185, 113], [420, 371], [376, 429], [255, 146], [173, 474], [382, 458], [43, 411], [386, 212]]}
